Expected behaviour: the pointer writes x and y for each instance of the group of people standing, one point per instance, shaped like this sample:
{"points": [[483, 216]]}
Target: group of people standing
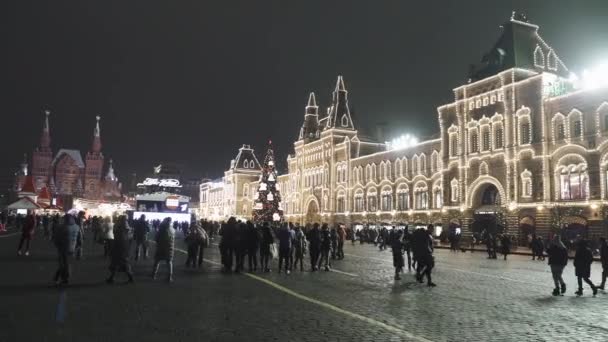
{"points": [[240, 240], [420, 244]]}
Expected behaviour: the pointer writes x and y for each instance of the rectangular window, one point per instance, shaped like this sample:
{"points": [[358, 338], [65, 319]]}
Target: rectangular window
{"points": [[453, 145], [474, 142], [386, 202], [402, 201], [359, 204], [371, 203], [341, 205], [486, 140], [525, 133], [578, 129], [498, 138]]}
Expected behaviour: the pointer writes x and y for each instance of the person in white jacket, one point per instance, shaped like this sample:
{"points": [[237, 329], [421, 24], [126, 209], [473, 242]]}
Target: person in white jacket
{"points": [[107, 231]]}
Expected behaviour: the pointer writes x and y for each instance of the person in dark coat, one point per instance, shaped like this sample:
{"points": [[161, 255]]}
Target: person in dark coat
{"points": [[333, 236], [119, 255], [397, 248], [558, 259], [27, 232], [65, 237], [423, 252], [165, 244], [140, 235], [265, 243], [314, 246], [505, 245], [285, 236], [407, 247], [582, 266], [227, 243], [341, 239], [604, 259], [240, 246], [325, 248], [253, 243], [299, 248]]}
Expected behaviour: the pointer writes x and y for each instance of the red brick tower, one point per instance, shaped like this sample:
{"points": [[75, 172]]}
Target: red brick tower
{"points": [[42, 157], [94, 167]]}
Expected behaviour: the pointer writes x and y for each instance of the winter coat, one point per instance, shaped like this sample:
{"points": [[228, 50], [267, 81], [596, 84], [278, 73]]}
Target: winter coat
{"points": [[299, 243], [604, 255], [119, 254], [29, 226], [341, 234], [141, 230], [253, 237], [582, 262], [558, 255], [285, 236], [325, 240], [107, 230], [165, 242], [314, 238], [66, 235]]}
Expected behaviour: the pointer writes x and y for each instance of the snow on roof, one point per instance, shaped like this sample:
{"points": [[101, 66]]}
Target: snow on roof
{"points": [[74, 154]]}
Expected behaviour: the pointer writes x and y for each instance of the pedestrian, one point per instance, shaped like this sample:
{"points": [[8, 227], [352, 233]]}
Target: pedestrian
{"points": [[65, 237], [325, 248], [285, 236], [240, 246], [107, 228], [540, 249], [558, 259], [424, 255], [505, 245], [204, 241], [604, 259], [80, 243], [314, 246], [341, 239], [253, 243], [3, 219], [193, 242], [407, 247], [165, 242], [140, 235], [27, 232], [333, 237], [397, 248], [299, 248], [582, 267], [119, 255], [227, 243], [46, 221], [266, 242]]}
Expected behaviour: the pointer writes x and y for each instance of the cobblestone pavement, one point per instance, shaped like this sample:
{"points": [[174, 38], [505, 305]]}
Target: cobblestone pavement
{"points": [[476, 300]]}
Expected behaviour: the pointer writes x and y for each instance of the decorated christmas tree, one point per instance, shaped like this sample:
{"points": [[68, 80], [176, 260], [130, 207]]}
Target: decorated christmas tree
{"points": [[267, 206]]}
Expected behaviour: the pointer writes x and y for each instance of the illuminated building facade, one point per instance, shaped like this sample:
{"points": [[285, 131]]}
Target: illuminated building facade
{"points": [[524, 145]]}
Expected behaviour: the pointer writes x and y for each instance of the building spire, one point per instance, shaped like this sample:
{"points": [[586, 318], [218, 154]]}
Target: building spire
{"points": [[311, 119], [110, 176], [45, 138], [97, 136], [339, 113], [340, 84]]}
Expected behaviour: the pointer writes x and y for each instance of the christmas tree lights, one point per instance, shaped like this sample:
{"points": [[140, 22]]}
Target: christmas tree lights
{"points": [[267, 206]]}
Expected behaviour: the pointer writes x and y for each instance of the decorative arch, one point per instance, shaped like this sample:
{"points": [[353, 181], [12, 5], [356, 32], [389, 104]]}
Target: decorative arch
{"points": [[539, 57], [576, 128], [551, 60], [483, 168], [481, 181], [558, 127], [602, 118]]}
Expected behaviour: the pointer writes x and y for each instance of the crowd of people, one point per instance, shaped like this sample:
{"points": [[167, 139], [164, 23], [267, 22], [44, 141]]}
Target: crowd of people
{"points": [[255, 245]]}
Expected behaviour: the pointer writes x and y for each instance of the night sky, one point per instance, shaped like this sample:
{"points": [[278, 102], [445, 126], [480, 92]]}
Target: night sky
{"points": [[191, 81]]}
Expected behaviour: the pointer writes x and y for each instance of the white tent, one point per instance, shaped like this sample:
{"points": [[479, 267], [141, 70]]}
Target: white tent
{"points": [[24, 203]]}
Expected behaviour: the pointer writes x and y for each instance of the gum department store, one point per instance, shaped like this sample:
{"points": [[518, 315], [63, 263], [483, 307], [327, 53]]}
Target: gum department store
{"points": [[522, 146]]}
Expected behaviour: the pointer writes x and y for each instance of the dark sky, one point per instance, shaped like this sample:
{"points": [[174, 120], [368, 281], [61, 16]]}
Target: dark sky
{"points": [[191, 81]]}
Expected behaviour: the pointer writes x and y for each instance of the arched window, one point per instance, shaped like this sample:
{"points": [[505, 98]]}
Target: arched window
{"points": [[526, 184], [421, 196], [525, 132], [372, 199], [485, 139], [398, 168], [245, 191], [422, 164], [415, 164], [454, 190], [575, 120], [341, 202], [574, 182], [498, 137], [246, 164], [387, 199], [359, 206], [403, 197], [539, 58], [474, 141], [438, 198], [453, 144]]}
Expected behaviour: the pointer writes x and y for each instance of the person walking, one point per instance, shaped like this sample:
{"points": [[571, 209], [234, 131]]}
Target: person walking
{"points": [[119, 255], [407, 246], [299, 248], [423, 253], [397, 248], [333, 237], [140, 235], [265, 243], [314, 240], [165, 242], [325, 248], [604, 259], [558, 259], [582, 267], [341, 239], [227, 243], [46, 221], [107, 228], [240, 246], [193, 241], [27, 232], [64, 238], [253, 243], [285, 236], [204, 240], [505, 245]]}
